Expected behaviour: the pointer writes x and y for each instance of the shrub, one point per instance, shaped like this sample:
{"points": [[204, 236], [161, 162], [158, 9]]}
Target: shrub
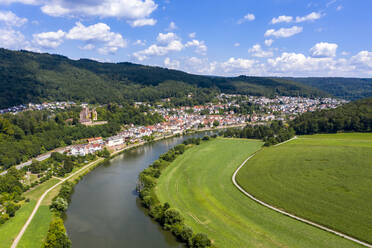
{"points": [[200, 240]]}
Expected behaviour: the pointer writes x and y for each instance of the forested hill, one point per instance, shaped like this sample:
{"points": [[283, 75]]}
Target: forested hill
{"points": [[346, 88], [352, 117], [33, 77]]}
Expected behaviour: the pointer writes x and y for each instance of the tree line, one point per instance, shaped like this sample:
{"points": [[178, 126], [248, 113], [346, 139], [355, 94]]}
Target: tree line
{"points": [[169, 218], [352, 117]]}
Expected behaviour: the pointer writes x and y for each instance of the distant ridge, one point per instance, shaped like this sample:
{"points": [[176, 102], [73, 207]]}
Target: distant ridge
{"points": [[34, 77]]}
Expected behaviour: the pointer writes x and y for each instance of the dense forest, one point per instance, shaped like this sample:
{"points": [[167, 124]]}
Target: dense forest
{"points": [[33, 77], [352, 117], [346, 88], [31, 133]]}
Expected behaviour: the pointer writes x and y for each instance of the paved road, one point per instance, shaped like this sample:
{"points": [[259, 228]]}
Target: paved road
{"points": [[40, 158], [24, 228], [288, 214]]}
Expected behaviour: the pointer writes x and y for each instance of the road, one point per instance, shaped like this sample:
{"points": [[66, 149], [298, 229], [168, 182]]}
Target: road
{"points": [[24, 228], [40, 158], [288, 214]]}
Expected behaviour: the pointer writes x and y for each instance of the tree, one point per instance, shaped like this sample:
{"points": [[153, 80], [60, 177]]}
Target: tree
{"points": [[57, 237], [216, 123], [11, 209], [172, 216], [200, 240], [59, 204]]}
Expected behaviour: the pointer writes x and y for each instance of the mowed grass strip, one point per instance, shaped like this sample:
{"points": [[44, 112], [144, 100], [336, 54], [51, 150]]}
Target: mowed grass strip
{"points": [[198, 183], [10, 229], [323, 178]]}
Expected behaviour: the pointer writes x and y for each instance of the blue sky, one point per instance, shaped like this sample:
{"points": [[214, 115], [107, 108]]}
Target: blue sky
{"points": [[218, 37]]}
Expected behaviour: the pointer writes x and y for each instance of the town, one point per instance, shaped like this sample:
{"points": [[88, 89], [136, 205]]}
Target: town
{"points": [[225, 112]]}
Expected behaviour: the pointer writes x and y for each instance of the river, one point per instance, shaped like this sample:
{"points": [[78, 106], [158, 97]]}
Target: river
{"points": [[104, 210]]}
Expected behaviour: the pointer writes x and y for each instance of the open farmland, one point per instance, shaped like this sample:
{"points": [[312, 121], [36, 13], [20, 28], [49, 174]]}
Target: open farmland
{"points": [[323, 178], [198, 183]]}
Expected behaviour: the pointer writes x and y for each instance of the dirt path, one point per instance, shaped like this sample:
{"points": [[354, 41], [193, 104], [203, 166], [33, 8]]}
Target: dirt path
{"points": [[288, 214], [24, 228]]}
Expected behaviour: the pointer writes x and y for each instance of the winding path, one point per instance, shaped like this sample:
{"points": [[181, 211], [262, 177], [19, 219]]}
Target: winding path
{"points": [[288, 214], [24, 228]]}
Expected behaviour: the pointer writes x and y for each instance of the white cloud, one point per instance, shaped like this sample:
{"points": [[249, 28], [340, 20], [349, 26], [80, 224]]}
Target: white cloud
{"points": [[269, 42], [167, 38], [143, 22], [237, 44], [88, 47], [171, 64], [31, 2], [139, 43], [240, 64], [247, 17], [200, 46], [284, 32], [363, 59], [310, 17], [10, 19], [340, 7], [131, 9], [282, 18], [172, 26], [98, 33], [167, 43], [49, 39], [344, 53], [257, 51], [11, 39], [192, 35], [323, 50]]}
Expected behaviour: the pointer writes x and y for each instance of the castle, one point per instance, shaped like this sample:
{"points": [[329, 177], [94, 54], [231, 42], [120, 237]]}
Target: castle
{"points": [[87, 116]]}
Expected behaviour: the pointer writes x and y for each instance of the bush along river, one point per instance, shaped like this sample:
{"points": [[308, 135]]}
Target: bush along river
{"points": [[105, 210]]}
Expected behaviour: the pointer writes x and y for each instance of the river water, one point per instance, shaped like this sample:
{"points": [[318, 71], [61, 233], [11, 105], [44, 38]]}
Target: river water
{"points": [[104, 211]]}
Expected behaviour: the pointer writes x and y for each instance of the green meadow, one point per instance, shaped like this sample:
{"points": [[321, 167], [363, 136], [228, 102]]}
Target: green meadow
{"points": [[198, 183], [323, 178]]}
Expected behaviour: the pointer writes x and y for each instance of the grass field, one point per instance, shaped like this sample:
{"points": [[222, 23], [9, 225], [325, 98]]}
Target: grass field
{"points": [[323, 178], [11, 228], [199, 184]]}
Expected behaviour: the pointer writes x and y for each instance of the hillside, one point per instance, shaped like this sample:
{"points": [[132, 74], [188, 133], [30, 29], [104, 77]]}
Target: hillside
{"points": [[34, 77], [346, 88], [355, 116]]}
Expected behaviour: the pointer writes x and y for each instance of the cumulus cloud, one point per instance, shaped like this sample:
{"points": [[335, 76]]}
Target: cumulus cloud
{"points": [[363, 59], [97, 33], [171, 64], [257, 51], [88, 47], [247, 17], [234, 64], [310, 17], [269, 42], [237, 44], [143, 22], [11, 39], [49, 39], [323, 50], [11, 19], [167, 42], [282, 18], [129, 9], [200, 46], [283, 32]]}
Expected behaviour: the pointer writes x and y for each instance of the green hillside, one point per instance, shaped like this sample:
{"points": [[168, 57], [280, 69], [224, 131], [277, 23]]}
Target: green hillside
{"points": [[346, 88], [355, 116], [34, 77]]}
